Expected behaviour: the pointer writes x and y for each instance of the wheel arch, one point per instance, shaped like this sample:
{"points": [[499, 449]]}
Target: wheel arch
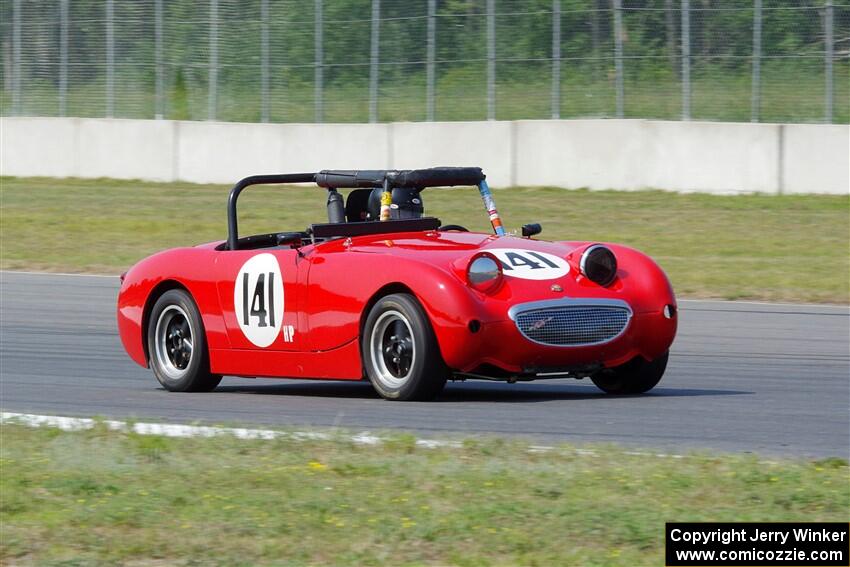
{"points": [[156, 292], [383, 291], [390, 289], [433, 372]]}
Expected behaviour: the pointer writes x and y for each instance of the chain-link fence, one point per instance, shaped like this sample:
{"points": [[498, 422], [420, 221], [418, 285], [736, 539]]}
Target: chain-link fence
{"points": [[391, 60]]}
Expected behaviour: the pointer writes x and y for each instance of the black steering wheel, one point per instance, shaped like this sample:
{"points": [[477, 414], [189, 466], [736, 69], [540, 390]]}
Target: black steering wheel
{"points": [[456, 227]]}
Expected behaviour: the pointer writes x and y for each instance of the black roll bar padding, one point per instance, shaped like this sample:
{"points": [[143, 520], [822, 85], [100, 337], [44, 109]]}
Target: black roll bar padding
{"points": [[409, 178], [232, 225], [439, 177], [351, 179]]}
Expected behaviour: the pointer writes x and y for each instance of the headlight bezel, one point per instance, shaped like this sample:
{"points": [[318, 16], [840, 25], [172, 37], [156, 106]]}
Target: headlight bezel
{"points": [[484, 273], [591, 263]]}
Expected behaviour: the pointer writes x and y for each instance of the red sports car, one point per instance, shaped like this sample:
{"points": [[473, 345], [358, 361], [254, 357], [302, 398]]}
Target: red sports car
{"points": [[385, 293]]}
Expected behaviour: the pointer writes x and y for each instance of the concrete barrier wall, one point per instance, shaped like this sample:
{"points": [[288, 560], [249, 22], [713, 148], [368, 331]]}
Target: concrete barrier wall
{"points": [[710, 157], [815, 156]]}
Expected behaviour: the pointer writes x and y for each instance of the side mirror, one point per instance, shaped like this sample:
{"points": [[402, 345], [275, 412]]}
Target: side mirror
{"points": [[531, 229]]}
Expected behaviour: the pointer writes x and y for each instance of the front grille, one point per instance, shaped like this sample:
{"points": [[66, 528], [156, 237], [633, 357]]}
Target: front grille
{"points": [[573, 325]]}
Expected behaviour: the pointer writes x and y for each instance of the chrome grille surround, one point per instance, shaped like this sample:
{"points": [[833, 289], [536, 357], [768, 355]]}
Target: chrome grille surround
{"points": [[572, 322]]}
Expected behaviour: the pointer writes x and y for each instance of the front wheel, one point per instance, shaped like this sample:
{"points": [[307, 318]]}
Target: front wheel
{"points": [[400, 352], [177, 345], [635, 377]]}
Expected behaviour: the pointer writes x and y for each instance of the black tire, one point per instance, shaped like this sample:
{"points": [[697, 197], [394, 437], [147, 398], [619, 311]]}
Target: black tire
{"points": [[400, 352], [634, 377], [177, 345]]}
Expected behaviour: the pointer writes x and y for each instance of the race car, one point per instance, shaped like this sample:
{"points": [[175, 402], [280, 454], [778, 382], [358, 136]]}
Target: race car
{"points": [[383, 293]]}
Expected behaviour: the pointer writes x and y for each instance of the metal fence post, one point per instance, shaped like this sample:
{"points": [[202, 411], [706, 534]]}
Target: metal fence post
{"points": [[686, 60], [556, 59], [671, 35], [756, 95], [63, 57], [319, 56], [110, 58], [594, 38], [212, 90], [431, 55], [159, 103], [373, 61], [618, 56], [491, 59], [264, 60], [830, 46], [16, 57]]}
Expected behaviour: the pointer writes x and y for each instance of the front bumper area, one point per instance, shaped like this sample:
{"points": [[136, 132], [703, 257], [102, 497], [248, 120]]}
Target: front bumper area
{"points": [[504, 348]]}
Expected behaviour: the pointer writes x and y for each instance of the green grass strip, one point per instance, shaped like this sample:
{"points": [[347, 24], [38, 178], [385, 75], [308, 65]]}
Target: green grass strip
{"points": [[102, 497], [778, 248]]}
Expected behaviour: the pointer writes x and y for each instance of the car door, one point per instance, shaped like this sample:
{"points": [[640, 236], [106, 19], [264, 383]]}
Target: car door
{"points": [[259, 295]]}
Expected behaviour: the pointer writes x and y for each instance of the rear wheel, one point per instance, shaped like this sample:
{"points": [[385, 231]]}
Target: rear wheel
{"points": [[635, 377], [400, 352], [177, 345]]}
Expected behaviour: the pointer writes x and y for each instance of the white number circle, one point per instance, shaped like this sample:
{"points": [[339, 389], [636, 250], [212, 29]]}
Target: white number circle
{"points": [[530, 264], [258, 299]]}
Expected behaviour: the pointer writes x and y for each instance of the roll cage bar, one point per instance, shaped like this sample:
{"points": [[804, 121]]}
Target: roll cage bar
{"points": [[386, 179]]}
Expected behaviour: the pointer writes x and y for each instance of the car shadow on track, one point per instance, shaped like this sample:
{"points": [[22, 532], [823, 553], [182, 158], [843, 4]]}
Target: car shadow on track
{"points": [[465, 392]]}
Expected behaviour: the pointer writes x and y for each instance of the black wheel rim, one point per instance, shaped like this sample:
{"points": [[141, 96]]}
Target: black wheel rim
{"points": [[397, 347], [174, 342], [392, 349]]}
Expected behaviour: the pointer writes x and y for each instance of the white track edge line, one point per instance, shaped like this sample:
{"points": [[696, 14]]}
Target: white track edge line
{"points": [[363, 438], [183, 430]]}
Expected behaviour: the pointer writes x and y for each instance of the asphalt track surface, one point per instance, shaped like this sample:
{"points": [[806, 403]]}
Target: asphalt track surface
{"points": [[743, 377]]}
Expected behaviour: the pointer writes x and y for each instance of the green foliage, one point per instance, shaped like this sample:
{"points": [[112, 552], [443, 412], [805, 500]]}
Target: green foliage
{"points": [[180, 98], [721, 46]]}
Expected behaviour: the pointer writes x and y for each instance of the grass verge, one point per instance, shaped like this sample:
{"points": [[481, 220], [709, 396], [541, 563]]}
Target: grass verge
{"points": [[789, 248], [106, 497]]}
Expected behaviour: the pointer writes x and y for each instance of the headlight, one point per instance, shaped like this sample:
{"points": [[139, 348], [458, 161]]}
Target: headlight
{"points": [[598, 264], [484, 273]]}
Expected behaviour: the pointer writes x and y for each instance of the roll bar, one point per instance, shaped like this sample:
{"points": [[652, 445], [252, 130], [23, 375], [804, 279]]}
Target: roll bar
{"points": [[352, 179], [232, 226]]}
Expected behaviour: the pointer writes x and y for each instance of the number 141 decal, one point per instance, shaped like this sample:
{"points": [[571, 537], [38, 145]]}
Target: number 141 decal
{"points": [[258, 301], [530, 264]]}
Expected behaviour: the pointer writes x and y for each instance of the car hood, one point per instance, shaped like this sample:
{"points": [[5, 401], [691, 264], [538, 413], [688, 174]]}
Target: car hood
{"points": [[448, 244], [534, 269]]}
